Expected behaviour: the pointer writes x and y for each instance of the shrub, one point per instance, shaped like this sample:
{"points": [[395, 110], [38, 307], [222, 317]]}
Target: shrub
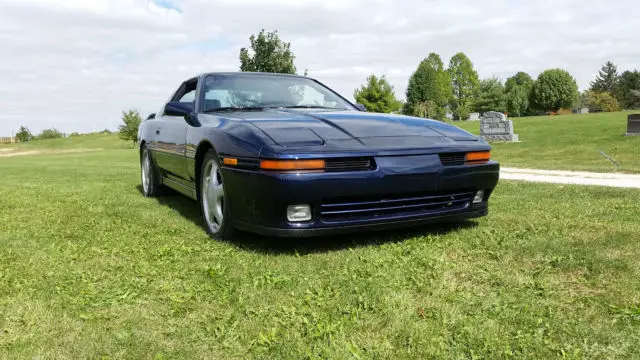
{"points": [[129, 129], [50, 134], [23, 134], [602, 101]]}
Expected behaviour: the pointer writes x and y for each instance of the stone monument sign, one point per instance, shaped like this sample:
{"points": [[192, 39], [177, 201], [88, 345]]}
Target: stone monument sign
{"points": [[494, 126], [633, 124]]}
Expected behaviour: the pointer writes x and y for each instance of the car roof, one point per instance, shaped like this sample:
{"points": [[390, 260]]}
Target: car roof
{"points": [[251, 73]]}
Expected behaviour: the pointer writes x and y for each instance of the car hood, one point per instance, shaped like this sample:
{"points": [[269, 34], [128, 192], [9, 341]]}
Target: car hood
{"points": [[354, 130]]}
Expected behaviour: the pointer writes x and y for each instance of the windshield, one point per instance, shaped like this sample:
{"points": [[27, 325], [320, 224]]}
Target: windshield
{"points": [[254, 91]]}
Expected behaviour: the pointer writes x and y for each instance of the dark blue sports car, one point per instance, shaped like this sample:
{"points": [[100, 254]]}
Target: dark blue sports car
{"points": [[285, 155]]}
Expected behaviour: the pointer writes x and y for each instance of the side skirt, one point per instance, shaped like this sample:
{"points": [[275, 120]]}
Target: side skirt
{"points": [[183, 189]]}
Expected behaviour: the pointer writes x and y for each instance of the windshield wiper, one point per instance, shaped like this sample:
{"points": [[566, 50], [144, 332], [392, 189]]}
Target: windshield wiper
{"points": [[238, 108], [310, 107], [261, 108]]}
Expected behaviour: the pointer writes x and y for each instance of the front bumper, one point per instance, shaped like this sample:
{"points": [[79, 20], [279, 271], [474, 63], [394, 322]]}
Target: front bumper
{"points": [[374, 226], [258, 200]]}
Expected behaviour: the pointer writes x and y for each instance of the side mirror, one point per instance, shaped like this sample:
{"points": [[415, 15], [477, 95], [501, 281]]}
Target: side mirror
{"points": [[151, 116], [176, 108], [361, 107]]}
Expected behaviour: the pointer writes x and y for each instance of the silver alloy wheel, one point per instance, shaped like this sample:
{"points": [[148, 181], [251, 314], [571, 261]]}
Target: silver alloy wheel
{"points": [[146, 171], [212, 192]]}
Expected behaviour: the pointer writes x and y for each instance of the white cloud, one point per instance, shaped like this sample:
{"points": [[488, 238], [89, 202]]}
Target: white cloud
{"points": [[76, 64]]}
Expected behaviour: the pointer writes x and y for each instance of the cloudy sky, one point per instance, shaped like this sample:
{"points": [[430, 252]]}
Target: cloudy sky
{"points": [[76, 64]]}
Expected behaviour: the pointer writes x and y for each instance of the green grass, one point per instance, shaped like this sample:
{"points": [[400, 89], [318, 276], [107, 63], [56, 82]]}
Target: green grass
{"points": [[85, 142], [89, 269], [569, 142]]}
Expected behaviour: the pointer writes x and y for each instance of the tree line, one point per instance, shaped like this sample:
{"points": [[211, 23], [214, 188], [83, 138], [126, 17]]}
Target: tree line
{"points": [[434, 91], [24, 134]]}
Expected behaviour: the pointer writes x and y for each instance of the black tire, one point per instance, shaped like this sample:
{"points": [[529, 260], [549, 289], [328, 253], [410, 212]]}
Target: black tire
{"points": [[211, 196], [153, 186]]}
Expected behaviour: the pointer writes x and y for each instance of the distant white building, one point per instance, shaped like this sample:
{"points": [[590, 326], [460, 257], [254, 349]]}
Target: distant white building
{"points": [[8, 140]]}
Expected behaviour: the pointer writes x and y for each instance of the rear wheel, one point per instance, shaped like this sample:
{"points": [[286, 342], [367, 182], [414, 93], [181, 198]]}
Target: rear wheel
{"points": [[213, 199], [150, 179]]}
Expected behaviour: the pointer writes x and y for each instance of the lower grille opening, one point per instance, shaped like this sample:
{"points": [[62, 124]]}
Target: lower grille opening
{"points": [[453, 159], [349, 164], [415, 204]]}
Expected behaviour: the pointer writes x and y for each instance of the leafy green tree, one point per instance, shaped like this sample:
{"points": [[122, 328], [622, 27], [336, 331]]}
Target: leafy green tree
{"points": [[601, 101], [426, 109], [517, 93], [129, 129], [464, 81], [490, 96], [435, 61], [268, 54], [554, 89], [626, 91], [377, 95], [50, 134], [443, 84], [23, 134], [430, 82], [607, 78]]}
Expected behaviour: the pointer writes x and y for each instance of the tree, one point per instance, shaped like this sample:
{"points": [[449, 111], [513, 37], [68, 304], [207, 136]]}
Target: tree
{"points": [[430, 82], [607, 78], [377, 95], [50, 134], [129, 130], [517, 93], [601, 101], [268, 54], [464, 81], [426, 109], [554, 89], [627, 88], [444, 90], [490, 96], [23, 134]]}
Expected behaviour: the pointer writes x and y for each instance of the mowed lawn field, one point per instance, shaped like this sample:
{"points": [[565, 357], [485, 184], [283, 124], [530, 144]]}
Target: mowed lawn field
{"points": [[91, 269], [569, 142]]}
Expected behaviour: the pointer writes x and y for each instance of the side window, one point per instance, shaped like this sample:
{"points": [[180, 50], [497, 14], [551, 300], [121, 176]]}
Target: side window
{"points": [[188, 97], [186, 93]]}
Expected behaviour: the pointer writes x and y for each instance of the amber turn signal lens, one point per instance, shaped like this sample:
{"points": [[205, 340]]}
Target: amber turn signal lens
{"points": [[478, 157], [288, 165], [230, 161]]}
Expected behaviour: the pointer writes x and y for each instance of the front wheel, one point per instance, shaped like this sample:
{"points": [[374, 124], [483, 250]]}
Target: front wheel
{"points": [[213, 196], [150, 179]]}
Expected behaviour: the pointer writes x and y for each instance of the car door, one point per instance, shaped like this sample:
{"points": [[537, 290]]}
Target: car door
{"points": [[171, 137]]}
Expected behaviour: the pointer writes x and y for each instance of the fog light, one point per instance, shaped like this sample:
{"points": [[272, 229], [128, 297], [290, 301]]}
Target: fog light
{"points": [[479, 197], [296, 213]]}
